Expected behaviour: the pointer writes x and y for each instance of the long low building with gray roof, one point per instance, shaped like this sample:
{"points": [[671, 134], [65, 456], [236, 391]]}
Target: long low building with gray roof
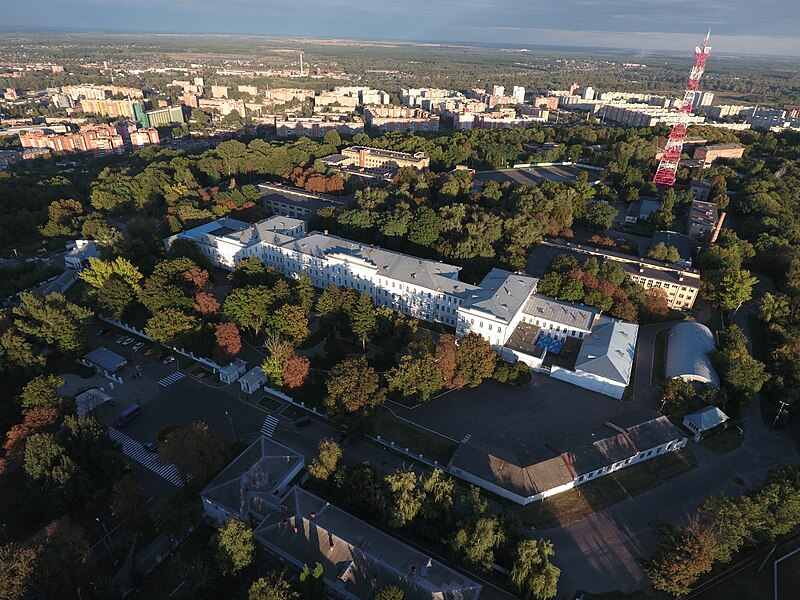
{"points": [[688, 345]]}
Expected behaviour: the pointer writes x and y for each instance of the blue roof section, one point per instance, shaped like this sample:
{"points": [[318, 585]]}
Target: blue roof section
{"points": [[105, 359]]}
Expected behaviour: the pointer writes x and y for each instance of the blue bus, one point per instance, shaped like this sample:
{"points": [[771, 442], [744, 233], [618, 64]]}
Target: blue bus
{"points": [[127, 415]]}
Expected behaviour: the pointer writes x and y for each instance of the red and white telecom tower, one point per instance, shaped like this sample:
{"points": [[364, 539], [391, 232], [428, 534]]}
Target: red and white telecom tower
{"points": [[665, 174]]}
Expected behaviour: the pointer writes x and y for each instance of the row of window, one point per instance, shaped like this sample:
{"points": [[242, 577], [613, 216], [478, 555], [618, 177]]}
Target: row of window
{"points": [[626, 462]]}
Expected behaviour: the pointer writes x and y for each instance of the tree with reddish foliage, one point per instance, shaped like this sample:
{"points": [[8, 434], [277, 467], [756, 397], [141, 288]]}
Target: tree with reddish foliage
{"points": [[447, 361], [198, 279], [656, 303], [625, 310], [228, 343], [295, 371], [64, 544], [206, 304], [36, 420]]}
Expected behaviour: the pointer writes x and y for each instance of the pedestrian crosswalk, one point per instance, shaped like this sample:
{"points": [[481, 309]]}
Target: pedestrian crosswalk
{"points": [[170, 379], [269, 426], [133, 449]]}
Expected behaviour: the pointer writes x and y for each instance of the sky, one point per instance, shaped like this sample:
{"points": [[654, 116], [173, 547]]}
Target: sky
{"points": [[738, 26]]}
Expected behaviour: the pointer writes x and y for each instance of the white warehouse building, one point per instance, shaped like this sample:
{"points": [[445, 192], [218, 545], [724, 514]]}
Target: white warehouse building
{"points": [[504, 308]]}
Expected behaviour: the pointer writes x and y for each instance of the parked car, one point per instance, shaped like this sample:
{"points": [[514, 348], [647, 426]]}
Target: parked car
{"points": [[162, 356], [150, 447], [127, 341], [149, 351], [137, 346], [169, 359], [121, 339]]}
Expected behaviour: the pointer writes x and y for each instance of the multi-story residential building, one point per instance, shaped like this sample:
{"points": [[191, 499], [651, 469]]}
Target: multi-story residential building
{"points": [[681, 285], [219, 91], [728, 110], [145, 137], [248, 89], [289, 95], [165, 116], [708, 154], [644, 115], [518, 93], [496, 120], [548, 102], [97, 139], [400, 118], [316, 127], [108, 108], [100, 92], [429, 98]]}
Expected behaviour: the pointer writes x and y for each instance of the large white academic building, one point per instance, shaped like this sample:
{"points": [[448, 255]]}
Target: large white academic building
{"points": [[504, 308]]}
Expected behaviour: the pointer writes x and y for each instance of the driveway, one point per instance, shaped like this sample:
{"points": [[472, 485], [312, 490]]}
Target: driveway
{"points": [[602, 553], [645, 392]]}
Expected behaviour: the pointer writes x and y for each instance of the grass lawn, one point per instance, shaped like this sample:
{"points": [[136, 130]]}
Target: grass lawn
{"points": [[416, 439], [723, 442], [270, 403], [583, 501], [660, 357]]}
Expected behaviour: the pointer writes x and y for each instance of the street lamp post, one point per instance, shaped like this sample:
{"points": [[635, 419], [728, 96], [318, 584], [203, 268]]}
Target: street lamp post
{"points": [[780, 410], [230, 421], [107, 537]]}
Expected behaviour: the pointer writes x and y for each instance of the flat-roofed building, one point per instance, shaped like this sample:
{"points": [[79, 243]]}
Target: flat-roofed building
{"points": [[708, 154], [165, 116], [680, 284], [370, 158], [703, 219], [294, 202], [400, 118], [108, 108], [315, 127]]}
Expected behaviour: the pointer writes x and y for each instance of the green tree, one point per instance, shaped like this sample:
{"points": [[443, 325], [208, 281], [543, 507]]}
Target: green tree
{"points": [[42, 392], [416, 379], [304, 292], [476, 359], [273, 588], [682, 555], [53, 320], [53, 474], [661, 251], [99, 272], [249, 271], [425, 227], [333, 138], [742, 374], [235, 546], [65, 219], [248, 307], [312, 583], [390, 593], [363, 318], [478, 543], [533, 576], [167, 287], [677, 395], [17, 570], [732, 520], [405, 497], [600, 215], [327, 460], [734, 289], [354, 391], [171, 327], [289, 322]]}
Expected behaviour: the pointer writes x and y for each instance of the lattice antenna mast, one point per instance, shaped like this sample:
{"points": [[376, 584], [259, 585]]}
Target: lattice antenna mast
{"points": [[668, 167]]}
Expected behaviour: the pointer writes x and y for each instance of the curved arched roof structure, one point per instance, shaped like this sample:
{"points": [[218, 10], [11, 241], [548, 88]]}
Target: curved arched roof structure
{"points": [[688, 346]]}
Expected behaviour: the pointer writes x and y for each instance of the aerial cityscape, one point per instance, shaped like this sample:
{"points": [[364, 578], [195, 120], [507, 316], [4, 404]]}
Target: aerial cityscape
{"points": [[456, 309]]}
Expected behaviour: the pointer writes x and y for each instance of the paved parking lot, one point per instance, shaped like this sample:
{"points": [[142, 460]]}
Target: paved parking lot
{"points": [[517, 423]]}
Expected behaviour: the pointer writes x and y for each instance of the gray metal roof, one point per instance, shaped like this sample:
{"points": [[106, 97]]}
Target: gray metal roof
{"points": [[577, 316], [688, 345], [105, 359], [705, 419], [429, 274], [297, 197], [501, 294], [248, 484], [356, 557], [703, 213], [608, 351]]}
